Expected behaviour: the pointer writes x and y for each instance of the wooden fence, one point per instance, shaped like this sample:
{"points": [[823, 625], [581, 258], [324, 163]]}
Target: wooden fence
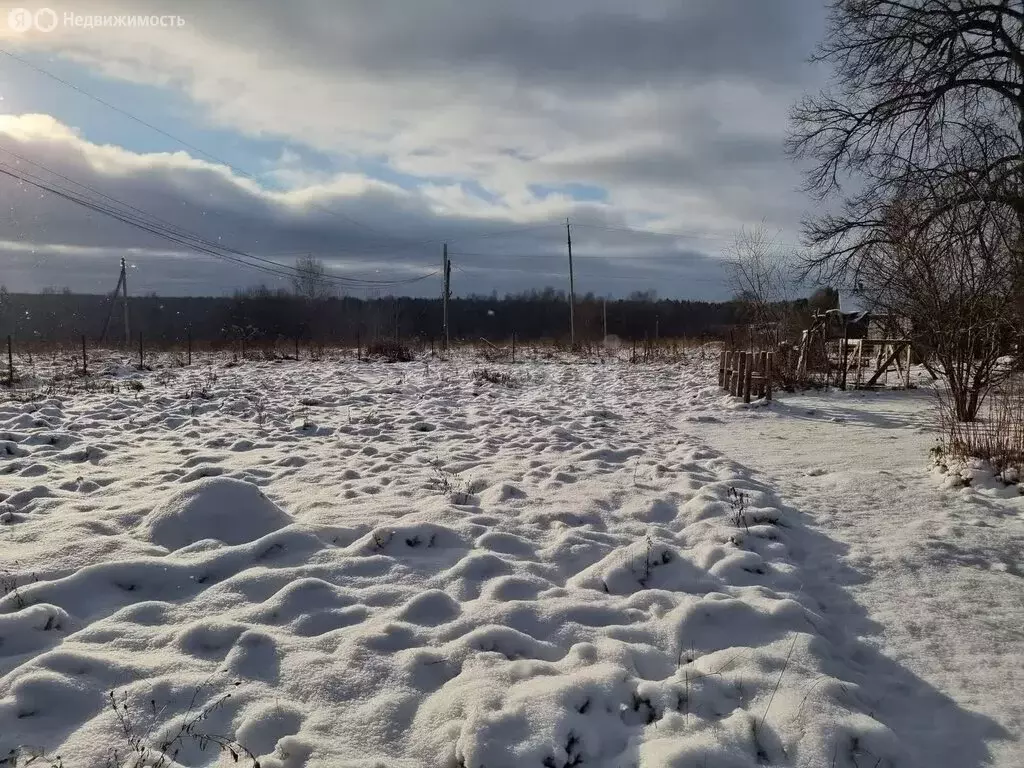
{"points": [[746, 374]]}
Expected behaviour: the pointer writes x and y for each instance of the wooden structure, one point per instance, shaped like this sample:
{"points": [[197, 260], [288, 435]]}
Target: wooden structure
{"points": [[862, 362], [746, 374], [857, 350]]}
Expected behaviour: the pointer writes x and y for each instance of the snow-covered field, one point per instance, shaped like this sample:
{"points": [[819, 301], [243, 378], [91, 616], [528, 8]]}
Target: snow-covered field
{"points": [[585, 565]]}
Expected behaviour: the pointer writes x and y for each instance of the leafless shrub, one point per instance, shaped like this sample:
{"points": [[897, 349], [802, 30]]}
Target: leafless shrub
{"points": [[389, 351], [259, 407], [952, 279], [139, 749], [996, 436], [10, 584], [450, 484], [493, 376]]}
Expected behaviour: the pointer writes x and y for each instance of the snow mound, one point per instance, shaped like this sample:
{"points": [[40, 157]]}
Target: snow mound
{"points": [[230, 511]]}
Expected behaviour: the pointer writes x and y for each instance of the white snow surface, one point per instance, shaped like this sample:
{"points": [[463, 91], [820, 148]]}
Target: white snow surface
{"points": [[399, 565]]}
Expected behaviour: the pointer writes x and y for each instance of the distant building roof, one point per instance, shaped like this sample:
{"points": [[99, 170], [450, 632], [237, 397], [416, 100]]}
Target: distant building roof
{"points": [[853, 301]]}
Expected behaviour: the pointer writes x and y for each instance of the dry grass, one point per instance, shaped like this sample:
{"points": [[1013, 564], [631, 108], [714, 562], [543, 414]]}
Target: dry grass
{"points": [[996, 436]]}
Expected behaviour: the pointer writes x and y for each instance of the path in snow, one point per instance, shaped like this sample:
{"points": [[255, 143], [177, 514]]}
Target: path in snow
{"points": [[939, 572], [401, 566]]}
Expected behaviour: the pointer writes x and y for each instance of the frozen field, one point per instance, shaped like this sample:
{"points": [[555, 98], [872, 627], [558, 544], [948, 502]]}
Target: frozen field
{"points": [[585, 565]]}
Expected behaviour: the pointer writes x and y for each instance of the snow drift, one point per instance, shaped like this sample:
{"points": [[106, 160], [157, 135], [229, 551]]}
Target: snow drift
{"points": [[220, 508]]}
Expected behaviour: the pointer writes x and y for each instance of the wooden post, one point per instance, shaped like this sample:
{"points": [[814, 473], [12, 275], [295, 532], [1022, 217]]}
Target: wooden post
{"points": [[359, 346], [768, 363], [142, 355], [846, 354], [762, 367], [572, 288], [860, 355], [741, 372], [445, 293], [10, 362], [85, 358], [883, 364], [296, 347], [124, 285], [190, 345], [747, 376], [801, 363], [906, 376], [721, 369], [513, 346]]}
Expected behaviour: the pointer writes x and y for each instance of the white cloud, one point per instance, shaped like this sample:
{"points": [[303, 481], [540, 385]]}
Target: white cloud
{"points": [[360, 226], [676, 110]]}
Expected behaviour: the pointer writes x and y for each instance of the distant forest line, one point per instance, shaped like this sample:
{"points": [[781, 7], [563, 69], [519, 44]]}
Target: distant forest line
{"points": [[266, 315]]}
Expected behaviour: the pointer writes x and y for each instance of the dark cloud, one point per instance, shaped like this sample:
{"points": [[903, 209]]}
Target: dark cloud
{"points": [[577, 43], [674, 110], [52, 242]]}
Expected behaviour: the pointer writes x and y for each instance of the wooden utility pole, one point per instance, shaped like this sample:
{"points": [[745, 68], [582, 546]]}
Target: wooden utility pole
{"points": [[120, 288], [124, 286], [572, 287], [447, 292]]}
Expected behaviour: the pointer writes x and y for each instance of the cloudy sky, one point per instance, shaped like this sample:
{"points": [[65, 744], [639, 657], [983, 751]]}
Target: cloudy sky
{"points": [[368, 133]]}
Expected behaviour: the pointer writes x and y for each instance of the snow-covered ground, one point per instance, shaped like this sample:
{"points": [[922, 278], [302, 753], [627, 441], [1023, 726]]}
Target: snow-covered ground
{"points": [[585, 565]]}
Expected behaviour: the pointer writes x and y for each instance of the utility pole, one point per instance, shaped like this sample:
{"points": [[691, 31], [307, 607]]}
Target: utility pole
{"points": [[120, 288], [446, 295], [572, 287], [604, 317], [124, 285]]}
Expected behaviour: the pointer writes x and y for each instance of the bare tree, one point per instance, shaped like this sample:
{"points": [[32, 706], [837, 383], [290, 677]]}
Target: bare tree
{"points": [[310, 280], [950, 278], [925, 124], [761, 279], [914, 81]]}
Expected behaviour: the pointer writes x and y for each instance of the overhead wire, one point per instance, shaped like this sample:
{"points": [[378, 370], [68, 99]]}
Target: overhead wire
{"points": [[183, 237], [242, 172], [156, 220], [162, 228]]}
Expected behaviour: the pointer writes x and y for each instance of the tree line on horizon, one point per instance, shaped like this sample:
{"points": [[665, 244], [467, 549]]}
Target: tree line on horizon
{"points": [[263, 314]]}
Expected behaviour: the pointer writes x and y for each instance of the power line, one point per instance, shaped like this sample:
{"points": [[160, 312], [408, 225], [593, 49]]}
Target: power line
{"points": [[182, 142], [653, 233], [186, 238], [502, 232], [242, 172], [162, 228], [157, 221], [576, 254]]}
